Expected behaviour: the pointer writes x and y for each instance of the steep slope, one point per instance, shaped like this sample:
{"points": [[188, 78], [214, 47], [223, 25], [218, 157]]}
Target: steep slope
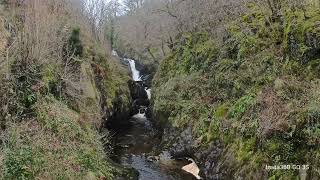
{"points": [[246, 104], [59, 86]]}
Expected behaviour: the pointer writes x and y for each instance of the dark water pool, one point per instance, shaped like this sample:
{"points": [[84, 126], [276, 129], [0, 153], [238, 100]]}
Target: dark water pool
{"points": [[134, 149]]}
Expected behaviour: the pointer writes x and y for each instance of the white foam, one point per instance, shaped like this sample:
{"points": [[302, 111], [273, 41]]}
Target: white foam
{"points": [[114, 53], [148, 93], [135, 73], [140, 116]]}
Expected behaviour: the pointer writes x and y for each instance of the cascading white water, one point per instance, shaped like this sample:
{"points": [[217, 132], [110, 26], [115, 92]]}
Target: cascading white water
{"points": [[135, 73], [142, 115], [114, 53], [148, 93], [136, 77]]}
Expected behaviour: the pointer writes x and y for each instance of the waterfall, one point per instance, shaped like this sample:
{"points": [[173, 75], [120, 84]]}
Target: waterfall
{"points": [[135, 73], [136, 77]]}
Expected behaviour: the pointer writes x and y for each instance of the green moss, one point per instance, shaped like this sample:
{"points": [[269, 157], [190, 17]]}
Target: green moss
{"points": [[311, 119], [221, 111], [288, 174], [113, 78], [241, 106], [213, 132], [245, 149]]}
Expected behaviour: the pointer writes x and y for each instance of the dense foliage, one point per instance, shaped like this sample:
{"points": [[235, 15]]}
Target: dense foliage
{"points": [[258, 93]]}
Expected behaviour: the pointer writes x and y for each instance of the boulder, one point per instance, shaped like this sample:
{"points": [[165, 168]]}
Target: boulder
{"points": [[137, 90]]}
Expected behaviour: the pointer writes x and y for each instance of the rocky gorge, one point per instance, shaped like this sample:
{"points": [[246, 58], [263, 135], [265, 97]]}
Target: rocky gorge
{"points": [[137, 139]]}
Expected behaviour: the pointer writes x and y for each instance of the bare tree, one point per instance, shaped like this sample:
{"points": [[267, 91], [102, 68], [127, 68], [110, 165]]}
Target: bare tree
{"points": [[131, 6], [151, 29], [96, 11]]}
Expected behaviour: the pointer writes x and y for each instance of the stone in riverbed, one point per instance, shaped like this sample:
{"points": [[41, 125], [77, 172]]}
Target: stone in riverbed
{"points": [[137, 90]]}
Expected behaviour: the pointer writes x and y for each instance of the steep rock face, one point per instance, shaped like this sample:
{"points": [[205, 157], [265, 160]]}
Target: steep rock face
{"points": [[179, 142], [148, 70], [138, 95], [137, 90], [211, 167], [114, 96]]}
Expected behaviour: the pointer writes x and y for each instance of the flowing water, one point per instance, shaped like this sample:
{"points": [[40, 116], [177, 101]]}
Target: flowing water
{"points": [[134, 150], [135, 73], [136, 143], [148, 90]]}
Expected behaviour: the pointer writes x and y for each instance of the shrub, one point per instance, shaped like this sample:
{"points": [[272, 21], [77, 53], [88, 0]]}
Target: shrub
{"points": [[74, 42]]}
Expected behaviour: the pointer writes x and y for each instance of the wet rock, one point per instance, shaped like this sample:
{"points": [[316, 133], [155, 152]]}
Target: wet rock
{"points": [[137, 90], [147, 71], [140, 106], [153, 158], [117, 116], [141, 102], [210, 159], [179, 142], [165, 156], [139, 97]]}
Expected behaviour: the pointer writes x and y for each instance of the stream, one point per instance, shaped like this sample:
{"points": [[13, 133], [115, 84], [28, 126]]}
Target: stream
{"points": [[137, 143]]}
